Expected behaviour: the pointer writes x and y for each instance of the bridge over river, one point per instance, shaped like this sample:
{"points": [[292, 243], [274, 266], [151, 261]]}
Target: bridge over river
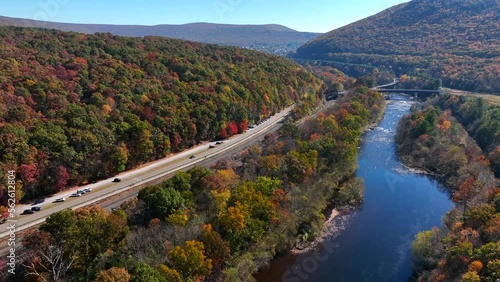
{"points": [[417, 93], [409, 91]]}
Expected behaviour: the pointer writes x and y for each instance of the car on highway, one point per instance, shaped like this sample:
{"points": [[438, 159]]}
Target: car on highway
{"points": [[39, 201], [86, 190], [28, 211], [192, 157], [117, 180], [59, 200], [75, 195], [219, 142], [81, 191], [36, 209], [211, 146]]}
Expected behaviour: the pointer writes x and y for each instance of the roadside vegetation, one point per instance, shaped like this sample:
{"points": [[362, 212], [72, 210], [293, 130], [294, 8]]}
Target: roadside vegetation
{"points": [[216, 224], [434, 139]]}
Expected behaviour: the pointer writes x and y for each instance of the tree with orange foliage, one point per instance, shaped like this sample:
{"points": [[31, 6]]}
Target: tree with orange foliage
{"points": [[114, 274], [475, 266], [445, 125], [4, 213], [491, 229], [216, 248], [465, 191], [483, 160]]}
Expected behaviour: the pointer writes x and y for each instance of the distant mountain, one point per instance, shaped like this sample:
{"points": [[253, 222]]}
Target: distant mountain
{"points": [[270, 38], [457, 41]]}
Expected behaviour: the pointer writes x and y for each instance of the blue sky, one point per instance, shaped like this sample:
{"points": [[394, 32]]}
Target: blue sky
{"points": [[302, 15]]}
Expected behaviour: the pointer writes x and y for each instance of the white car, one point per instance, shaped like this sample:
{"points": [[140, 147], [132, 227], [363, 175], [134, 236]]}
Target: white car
{"points": [[59, 200]]}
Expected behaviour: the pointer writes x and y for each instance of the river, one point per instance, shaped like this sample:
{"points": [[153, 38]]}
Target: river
{"points": [[373, 243]]}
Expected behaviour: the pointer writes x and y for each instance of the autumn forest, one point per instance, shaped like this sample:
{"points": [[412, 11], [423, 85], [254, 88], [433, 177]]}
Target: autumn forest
{"points": [[78, 110]]}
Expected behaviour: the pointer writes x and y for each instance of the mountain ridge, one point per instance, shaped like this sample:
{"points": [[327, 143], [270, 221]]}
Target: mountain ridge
{"points": [[416, 21], [455, 41], [266, 37]]}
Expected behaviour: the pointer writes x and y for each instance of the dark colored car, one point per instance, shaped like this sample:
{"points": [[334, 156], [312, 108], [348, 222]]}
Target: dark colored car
{"points": [[28, 212], [192, 157], [211, 146], [117, 180], [36, 209], [39, 201]]}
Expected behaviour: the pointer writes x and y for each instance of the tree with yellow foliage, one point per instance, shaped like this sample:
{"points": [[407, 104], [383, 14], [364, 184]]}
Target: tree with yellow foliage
{"points": [[114, 274], [190, 260]]}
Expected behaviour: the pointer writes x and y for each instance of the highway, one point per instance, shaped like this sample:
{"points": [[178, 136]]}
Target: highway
{"points": [[137, 178]]}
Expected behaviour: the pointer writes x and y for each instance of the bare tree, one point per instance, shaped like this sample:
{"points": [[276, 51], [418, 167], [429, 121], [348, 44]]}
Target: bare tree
{"points": [[49, 262]]}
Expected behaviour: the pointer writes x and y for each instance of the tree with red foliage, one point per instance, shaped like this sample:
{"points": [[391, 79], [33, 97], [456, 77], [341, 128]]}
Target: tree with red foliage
{"points": [[222, 134], [27, 172], [176, 141], [232, 127], [212, 182], [243, 125], [62, 178]]}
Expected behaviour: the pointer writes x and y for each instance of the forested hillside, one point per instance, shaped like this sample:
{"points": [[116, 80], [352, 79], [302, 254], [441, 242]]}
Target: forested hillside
{"points": [[271, 38], [216, 225], [467, 247], [454, 40], [75, 108], [482, 122]]}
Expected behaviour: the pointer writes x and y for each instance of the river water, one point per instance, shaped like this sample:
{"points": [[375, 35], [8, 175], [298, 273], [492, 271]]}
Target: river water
{"points": [[374, 242]]}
